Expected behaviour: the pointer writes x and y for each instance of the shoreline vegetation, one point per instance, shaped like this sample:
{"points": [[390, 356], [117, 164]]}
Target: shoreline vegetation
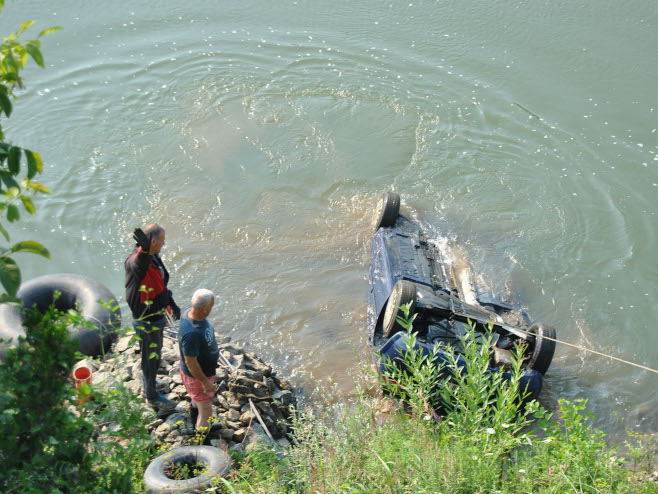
{"points": [[421, 434]]}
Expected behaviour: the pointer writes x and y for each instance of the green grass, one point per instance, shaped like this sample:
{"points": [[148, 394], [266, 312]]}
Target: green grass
{"points": [[485, 441]]}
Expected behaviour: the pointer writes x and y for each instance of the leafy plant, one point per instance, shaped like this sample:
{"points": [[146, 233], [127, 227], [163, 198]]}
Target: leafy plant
{"points": [[18, 166]]}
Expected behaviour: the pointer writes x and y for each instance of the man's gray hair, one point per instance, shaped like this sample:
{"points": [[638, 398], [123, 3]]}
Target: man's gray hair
{"points": [[153, 230], [202, 298]]}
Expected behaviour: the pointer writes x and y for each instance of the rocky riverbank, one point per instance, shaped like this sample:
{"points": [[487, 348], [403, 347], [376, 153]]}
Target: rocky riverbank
{"points": [[248, 380]]}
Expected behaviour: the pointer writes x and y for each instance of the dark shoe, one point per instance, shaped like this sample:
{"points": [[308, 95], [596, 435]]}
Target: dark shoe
{"points": [[162, 404]]}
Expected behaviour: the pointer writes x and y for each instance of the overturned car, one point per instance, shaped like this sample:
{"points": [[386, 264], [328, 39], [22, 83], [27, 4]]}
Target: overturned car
{"points": [[408, 268]]}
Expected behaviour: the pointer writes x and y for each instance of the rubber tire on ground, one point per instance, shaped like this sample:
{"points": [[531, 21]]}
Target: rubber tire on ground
{"points": [[403, 292], [76, 292], [543, 349], [388, 209], [217, 462]]}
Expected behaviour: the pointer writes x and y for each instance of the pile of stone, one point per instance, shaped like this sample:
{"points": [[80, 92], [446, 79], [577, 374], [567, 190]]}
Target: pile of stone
{"points": [[247, 381]]}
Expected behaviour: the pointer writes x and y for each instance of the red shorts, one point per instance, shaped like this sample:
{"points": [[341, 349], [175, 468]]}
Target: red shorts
{"points": [[195, 389]]}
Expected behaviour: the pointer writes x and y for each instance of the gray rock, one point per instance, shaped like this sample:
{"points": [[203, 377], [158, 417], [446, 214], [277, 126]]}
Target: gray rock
{"points": [[238, 361], [176, 419], [124, 344], [221, 375], [180, 389], [255, 438], [264, 406], [233, 425], [227, 434], [230, 348], [169, 355], [233, 415], [247, 417], [219, 443], [162, 431], [283, 443], [259, 367], [239, 435], [222, 340], [284, 397], [222, 402], [176, 378], [104, 380]]}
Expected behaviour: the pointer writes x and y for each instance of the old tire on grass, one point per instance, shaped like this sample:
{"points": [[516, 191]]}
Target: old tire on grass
{"points": [[76, 292], [157, 478], [388, 209], [543, 349], [403, 292]]}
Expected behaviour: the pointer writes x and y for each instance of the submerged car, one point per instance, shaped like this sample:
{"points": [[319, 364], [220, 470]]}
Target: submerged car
{"points": [[407, 267]]}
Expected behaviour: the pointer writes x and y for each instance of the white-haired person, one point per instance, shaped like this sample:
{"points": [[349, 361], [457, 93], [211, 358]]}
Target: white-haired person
{"points": [[199, 354]]}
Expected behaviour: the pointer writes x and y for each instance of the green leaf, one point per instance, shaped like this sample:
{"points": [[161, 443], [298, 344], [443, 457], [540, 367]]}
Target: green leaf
{"points": [[8, 180], [84, 389], [12, 213], [31, 246], [14, 161], [49, 30], [34, 163], [24, 26], [10, 63], [28, 205], [35, 53], [10, 275], [4, 232], [5, 102], [39, 188]]}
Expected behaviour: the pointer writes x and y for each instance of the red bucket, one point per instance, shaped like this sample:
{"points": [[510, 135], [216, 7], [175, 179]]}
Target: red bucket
{"points": [[82, 375]]}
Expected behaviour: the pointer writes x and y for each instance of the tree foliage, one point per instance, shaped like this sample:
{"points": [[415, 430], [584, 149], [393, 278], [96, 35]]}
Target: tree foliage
{"points": [[18, 166]]}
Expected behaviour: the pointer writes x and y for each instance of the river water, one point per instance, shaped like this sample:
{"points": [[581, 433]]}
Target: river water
{"points": [[260, 135]]}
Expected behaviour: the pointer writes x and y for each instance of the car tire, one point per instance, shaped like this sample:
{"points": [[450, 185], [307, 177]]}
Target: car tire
{"points": [[543, 349], [217, 464], [388, 209], [403, 292]]}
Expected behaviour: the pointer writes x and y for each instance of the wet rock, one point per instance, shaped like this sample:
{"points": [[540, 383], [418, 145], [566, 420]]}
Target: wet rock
{"points": [[258, 367], [284, 397]]}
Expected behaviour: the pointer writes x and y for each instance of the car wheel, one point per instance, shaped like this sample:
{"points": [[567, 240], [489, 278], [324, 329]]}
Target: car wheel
{"points": [[543, 350], [388, 209], [403, 293]]}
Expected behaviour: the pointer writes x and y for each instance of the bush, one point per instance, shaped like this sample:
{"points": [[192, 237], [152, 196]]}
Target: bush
{"points": [[46, 445]]}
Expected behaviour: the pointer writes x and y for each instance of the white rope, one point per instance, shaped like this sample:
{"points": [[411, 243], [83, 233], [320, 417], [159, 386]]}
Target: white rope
{"points": [[591, 351]]}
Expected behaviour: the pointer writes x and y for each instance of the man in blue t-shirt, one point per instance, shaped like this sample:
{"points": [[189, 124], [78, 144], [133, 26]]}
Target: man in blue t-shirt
{"points": [[199, 354]]}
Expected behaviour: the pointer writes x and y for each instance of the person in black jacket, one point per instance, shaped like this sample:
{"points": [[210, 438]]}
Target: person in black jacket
{"points": [[148, 297]]}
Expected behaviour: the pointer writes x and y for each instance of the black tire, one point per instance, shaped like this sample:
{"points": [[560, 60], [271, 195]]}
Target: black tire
{"points": [[403, 292], [76, 292], [543, 349], [388, 209], [216, 462]]}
